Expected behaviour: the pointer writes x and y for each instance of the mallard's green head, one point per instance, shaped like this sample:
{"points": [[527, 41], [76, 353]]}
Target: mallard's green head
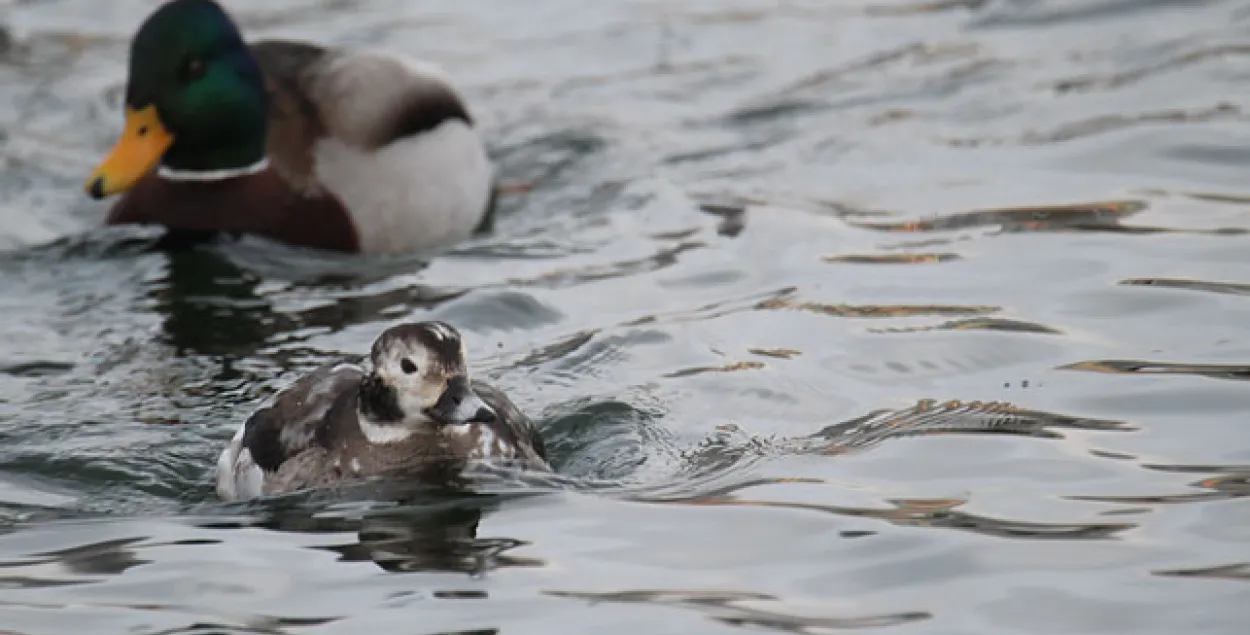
{"points": [[195, 98]]}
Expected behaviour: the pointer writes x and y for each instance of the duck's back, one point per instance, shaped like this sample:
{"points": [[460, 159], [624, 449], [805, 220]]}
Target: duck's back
{"points": [[390, 138], [303, 420], [511, 436]]}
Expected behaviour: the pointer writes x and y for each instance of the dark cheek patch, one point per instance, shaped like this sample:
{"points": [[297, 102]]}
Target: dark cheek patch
{"points": [[379, 401]]}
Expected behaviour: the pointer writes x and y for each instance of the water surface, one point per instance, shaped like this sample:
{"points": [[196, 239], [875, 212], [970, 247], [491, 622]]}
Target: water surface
{"points": [[903, 317]]}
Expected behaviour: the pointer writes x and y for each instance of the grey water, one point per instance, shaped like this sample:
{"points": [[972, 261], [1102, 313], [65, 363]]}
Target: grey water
{"points": [[896, 315]]}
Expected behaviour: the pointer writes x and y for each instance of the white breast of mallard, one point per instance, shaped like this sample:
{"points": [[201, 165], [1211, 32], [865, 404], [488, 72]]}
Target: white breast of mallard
{"points": [[416, 192]]}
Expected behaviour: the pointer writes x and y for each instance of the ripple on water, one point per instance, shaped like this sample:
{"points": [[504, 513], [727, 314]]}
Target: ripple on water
{"points": [[748, 609]]}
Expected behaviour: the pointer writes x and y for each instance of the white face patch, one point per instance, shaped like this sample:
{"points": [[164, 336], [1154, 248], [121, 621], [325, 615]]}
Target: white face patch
{"points": [[415, 391]]}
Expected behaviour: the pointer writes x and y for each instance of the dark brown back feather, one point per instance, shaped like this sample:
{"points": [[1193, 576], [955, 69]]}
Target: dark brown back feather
{"points": [[304, 415], [295, 122], [296, 70]]}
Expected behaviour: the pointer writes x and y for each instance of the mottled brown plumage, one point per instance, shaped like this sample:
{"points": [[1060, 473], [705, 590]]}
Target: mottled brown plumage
{"points": [[325, 428]]}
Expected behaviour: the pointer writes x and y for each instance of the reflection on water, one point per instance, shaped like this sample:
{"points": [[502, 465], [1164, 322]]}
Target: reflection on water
{"points": [[440, 541], [1214, 371], [931, 417], [943, 514], [902, 259], [1027, 221], [1235, 572], [213, 306], [1233, 484], [45, 569], [1230, 288], [744, 609], [874, 310], [1092, 217]]}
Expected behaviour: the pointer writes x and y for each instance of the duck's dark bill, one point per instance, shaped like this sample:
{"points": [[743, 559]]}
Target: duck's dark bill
{"points": [[460, 404]]}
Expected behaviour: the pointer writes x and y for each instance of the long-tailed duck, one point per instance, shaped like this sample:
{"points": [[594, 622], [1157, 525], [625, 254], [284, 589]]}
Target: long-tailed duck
{"points": [[411, 412]]}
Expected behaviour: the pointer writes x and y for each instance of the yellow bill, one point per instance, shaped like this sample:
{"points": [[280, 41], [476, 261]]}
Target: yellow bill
{"points": [[140, 148]]}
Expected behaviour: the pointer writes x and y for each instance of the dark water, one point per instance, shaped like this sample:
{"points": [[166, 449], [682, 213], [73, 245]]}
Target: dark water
{"points": [[919, 318]]}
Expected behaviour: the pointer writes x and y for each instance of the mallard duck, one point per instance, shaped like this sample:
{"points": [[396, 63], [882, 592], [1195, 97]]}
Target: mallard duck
{"points": [[411, 412], [334, 149]]}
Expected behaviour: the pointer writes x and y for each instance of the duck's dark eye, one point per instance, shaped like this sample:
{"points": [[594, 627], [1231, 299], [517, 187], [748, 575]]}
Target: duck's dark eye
{"points": [[191, 69], [407, 366]]}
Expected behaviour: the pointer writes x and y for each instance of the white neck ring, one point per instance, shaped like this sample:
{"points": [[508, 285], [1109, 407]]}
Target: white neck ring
{"points": [[171, 174]]}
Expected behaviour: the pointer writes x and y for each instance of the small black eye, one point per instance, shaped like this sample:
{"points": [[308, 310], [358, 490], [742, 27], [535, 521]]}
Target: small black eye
{"points": [[191, 69], [407, 366]]}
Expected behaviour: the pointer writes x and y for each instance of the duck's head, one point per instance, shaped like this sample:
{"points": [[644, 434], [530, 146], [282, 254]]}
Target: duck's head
{"points": [[195, 99], [419, 376]]}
